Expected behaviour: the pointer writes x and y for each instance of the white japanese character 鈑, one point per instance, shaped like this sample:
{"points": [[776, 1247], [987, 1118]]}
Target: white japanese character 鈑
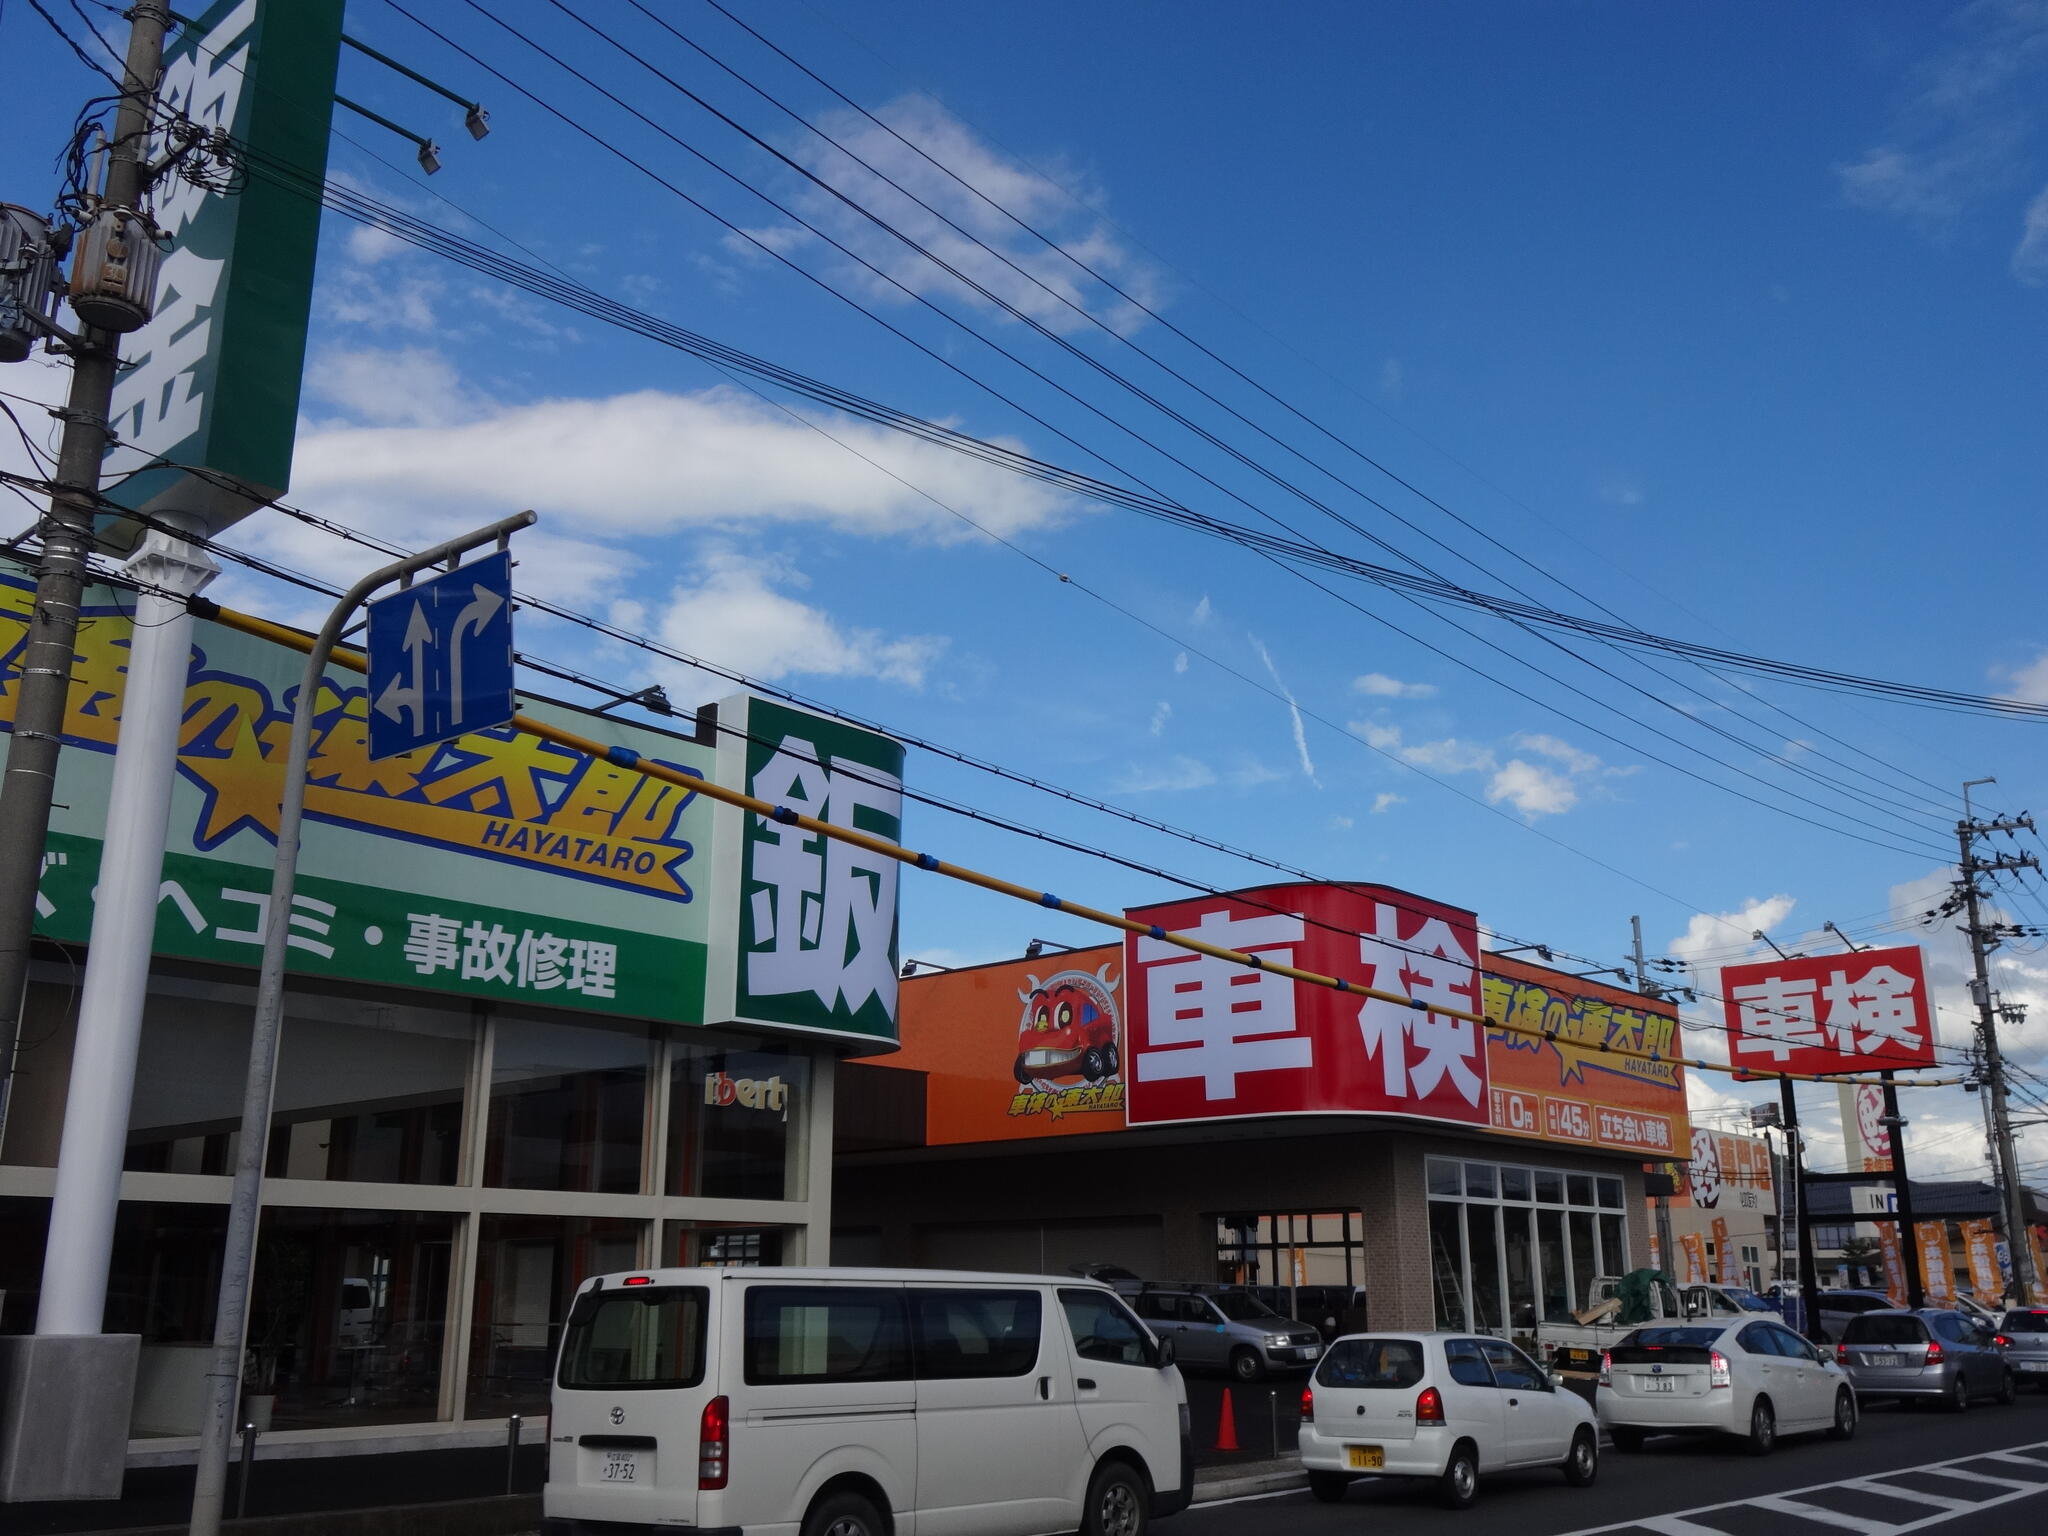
{"points": [[1431, 967], [1215, 1018], [593, 968], [1776, 1017], [487, 953], [541, 956], [431, 944], [1872, 1012]]}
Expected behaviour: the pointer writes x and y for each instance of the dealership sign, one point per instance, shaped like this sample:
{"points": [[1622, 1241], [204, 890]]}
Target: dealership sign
{"points": [[1860, 1012], [1214, 1039]]}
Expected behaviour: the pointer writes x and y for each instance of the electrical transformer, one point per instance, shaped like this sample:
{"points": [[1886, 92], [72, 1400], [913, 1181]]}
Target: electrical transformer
{"points": [[28, 259], [113, 275]]}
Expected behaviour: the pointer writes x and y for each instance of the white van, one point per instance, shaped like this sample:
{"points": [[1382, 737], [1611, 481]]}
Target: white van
{"points": [[862, 1402]]}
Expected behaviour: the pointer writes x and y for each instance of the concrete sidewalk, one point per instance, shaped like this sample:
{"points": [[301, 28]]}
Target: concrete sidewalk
{"points": [[1234, 1480]]}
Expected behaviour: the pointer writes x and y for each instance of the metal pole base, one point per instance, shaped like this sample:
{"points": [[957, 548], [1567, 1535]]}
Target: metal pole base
{"points": [[64, 1405]]}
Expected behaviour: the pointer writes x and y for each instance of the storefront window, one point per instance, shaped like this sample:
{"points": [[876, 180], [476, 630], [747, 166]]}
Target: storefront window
{"points": [[734, 1122], [568, 1107], [527, 1270], [697, 1244], [1500, 1266]]}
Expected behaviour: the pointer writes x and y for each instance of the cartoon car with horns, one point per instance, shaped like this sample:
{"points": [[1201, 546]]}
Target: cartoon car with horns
{"points": [[1068, 1030]]}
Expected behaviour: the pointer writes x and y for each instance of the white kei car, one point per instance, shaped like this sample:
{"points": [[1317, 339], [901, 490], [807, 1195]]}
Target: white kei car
{"points": [[1752, 1378], [1442, 1406]]}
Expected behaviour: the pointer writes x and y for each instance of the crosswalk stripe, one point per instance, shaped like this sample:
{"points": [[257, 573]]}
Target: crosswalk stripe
{"points": [[1780, 1505], [1888, 1491]]}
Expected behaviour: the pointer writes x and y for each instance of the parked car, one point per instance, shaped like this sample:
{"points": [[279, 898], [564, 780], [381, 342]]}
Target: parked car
{"points": [[1115, 1276], [860, 1401], [2025, 1331], [1754, 1379], [1334, 1309], [1440, 1406], [1924, 1354], [1229, 1330], [1835, 1308]]}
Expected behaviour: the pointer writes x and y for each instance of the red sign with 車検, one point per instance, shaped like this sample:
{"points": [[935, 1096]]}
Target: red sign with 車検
{"points": [[1211, 1039], [1860, 1012]]}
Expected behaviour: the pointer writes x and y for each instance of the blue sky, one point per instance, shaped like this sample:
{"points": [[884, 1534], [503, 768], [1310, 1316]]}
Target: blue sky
{"points": [[1730, 318]]}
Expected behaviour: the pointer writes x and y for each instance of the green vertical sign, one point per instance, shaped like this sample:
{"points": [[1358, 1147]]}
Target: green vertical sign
{"points": [[216, 375], [816, 944]]}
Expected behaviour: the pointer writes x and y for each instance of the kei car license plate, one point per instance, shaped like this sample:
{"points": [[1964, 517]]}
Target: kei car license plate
{"points": [[1364, 1458], [1893, 1360], [1659, 1383], [620, 1467], [2033, 1365]]}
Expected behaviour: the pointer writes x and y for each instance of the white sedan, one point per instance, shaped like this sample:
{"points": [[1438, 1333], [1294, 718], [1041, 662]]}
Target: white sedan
{"points": [[1753, 1378], [1442, 1406]]}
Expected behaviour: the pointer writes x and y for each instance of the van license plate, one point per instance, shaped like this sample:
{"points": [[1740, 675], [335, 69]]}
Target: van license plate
{"points": [[1365, 1458], [620, 1467], [1659, 1383]]}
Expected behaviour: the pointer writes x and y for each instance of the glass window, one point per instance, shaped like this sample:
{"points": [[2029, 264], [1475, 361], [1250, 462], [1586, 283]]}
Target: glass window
{"points": [[1883, 1328], [734, 1120], [713, 1245], [1580, 1225], [1514, 1183], [1614, 1245], [1520, 1253], [1444, 1177], [821, 1333], [527, 1271], [1240, 1306], [649, 1336], [1557, 1274], [1511, 1368], [1482, 1229], [1549, 1187], [1673, 1338], [1790, 1345], [1480, 1181], [1447, 1263], [2026, 1322], [1155, 1308], [1467, 1365], [974, 1333], [1371, 1363], [1759, 1339], [568, 1107], [1610, 1193], [1580, 1187], [1104, 1328], [1193, 1309], [1951, 1328]]}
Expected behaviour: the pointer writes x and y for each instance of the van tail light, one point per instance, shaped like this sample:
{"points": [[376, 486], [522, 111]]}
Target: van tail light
{"points": [[1934, 1354], [1308, 1405], [1429, 1408], [1606, 1369], [714, 1445], [1717, 1369]]}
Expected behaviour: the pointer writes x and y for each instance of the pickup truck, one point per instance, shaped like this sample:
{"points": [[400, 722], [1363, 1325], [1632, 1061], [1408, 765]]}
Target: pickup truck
{"points": [[1570, 1344]]}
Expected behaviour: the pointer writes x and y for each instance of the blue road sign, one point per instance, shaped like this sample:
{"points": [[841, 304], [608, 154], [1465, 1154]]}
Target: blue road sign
{"points": [[441, 657]]}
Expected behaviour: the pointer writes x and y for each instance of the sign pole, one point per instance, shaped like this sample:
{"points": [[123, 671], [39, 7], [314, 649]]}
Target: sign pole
{"points": [[1916, 1293], [238, 1261], [1809, 1320]]}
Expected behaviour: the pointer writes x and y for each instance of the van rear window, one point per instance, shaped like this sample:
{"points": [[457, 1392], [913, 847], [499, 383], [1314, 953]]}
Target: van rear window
{"points": [[1371, 1363], [1880, 1328], [815, 1333], [644, 1338]]}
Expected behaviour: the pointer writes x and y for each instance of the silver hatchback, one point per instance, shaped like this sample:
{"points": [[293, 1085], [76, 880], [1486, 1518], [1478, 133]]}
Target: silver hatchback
{"points": [[1929, 1353], [2025, 1331]]}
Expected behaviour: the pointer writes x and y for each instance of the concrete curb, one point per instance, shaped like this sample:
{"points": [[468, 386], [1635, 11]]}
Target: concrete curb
{"points": [[1273, 1479]]}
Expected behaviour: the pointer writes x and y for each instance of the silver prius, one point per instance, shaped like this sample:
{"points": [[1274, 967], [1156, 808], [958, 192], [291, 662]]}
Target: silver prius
{"points": [[1751, 1378], [1925, 1354]]}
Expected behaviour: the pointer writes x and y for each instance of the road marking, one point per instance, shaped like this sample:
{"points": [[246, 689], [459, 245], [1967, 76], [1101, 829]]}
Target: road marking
{"points": [[1244, 1498], [1941, 1510]]}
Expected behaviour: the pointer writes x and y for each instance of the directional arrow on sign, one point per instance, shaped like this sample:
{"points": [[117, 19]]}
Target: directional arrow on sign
{"points": [[396, 700], [471, 620]]}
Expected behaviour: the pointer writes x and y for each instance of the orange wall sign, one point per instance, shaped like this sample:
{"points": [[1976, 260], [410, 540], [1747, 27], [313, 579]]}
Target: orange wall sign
{"points": [[1026, 1049]]}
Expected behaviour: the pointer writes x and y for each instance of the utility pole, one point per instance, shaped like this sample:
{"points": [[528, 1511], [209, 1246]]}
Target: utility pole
{"points": [[43, 690], [1650, 989], [2012, 1198]]}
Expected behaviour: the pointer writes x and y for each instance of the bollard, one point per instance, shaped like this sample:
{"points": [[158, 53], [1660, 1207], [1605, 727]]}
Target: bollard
{"points": [[1273, 1417], [511, 1450], [248, 1466]]}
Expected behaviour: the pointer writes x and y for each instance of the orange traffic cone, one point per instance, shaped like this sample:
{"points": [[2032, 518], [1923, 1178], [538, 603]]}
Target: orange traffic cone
{"points": [[1226, 1426]]}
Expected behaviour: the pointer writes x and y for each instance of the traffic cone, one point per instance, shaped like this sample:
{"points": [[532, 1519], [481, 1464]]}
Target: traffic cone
{"points": [[1226, 1426]]}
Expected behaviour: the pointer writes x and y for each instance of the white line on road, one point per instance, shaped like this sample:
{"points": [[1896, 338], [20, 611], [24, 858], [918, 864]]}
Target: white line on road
{"points": [[1944, 1510]]}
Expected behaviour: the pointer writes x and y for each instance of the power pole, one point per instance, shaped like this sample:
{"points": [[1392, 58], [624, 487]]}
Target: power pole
{"points": [[43, 690], [1650, 989], [2012, 1198]]}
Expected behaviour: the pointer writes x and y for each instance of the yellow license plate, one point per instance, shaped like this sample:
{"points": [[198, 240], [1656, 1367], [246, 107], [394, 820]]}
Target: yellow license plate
{"points": [[1365, 1458]]}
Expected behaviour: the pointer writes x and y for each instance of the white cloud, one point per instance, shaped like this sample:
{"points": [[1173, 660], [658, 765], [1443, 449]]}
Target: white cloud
{"points": [[1180, 661], [1177, 773], [1385, 737], [1341, 823], [1385, 801], [2028, 683], [1450, 755], [1308, 767], [2030, 256], [1051, 288], [651, 461], [1161, 713], [1716, 932], [1621, 491], [403, 386], [1532, 790], [1559, 751], [1202, 611], [729, 611], [1380, 686], [1393, 379]]}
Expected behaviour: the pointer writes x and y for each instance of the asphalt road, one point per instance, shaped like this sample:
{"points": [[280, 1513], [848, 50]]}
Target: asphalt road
{"points": [[1677, 1487]]}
